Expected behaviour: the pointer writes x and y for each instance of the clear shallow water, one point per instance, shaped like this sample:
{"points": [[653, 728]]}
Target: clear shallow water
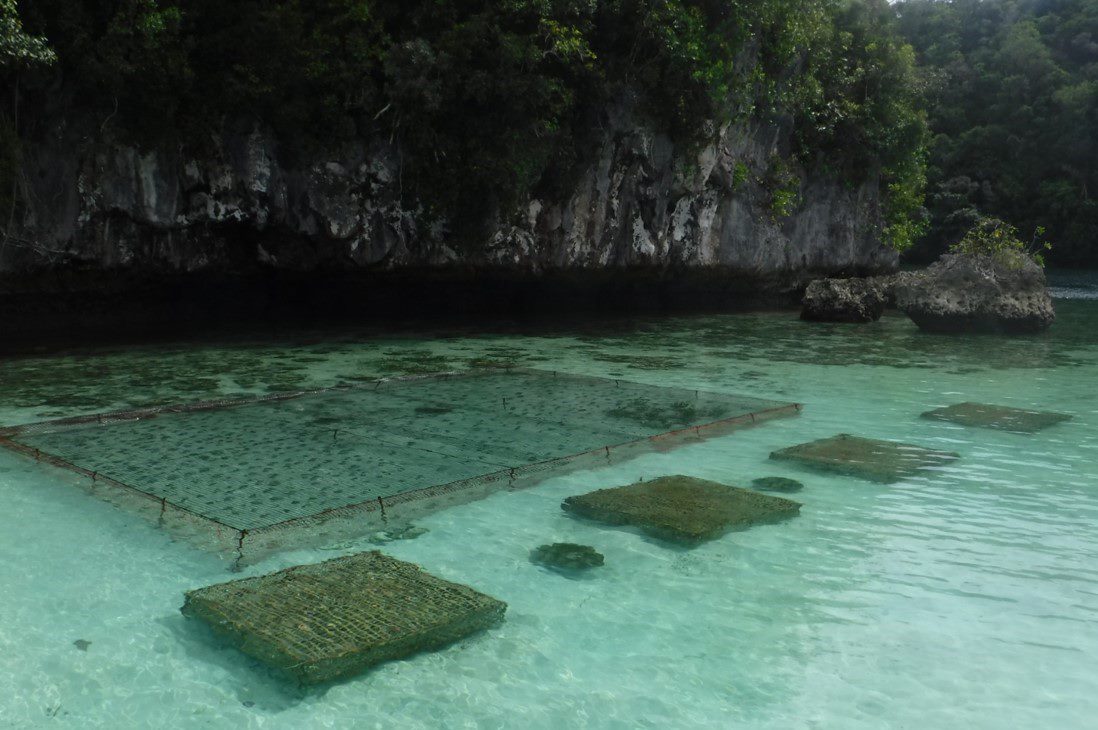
{"points": [[967, 597], [1074, 284], [264, 462]]}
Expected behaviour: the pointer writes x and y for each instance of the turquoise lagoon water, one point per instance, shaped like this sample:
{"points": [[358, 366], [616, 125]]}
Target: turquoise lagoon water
{"points": [[966, 597]]}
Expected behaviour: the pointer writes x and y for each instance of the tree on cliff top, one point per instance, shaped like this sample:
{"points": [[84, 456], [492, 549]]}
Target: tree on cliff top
{"points": [[16, 46], [491, 101]]}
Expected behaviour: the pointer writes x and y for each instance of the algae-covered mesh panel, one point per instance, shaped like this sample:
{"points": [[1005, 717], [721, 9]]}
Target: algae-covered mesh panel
{"points": [[251, 472], [606, 407], [277, 461], [879, 461], [1004, 418], [681, 509], [331, 620]]}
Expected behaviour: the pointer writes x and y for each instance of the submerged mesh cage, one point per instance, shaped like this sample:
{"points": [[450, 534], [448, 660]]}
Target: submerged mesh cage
{"points": [[872, 459], [330, 620], [681, 509], [1004, 418], [307, 468]]}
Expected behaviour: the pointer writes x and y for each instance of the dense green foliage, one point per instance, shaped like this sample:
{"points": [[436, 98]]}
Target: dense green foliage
{"points": [[1014, 116], [16, 46], [861, 93], [18, 51], [1000, 240], [490, 100]]}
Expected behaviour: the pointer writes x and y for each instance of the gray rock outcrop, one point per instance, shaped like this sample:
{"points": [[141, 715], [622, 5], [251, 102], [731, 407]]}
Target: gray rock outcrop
{"points": [[97, 204], [978, 293], [843, 300], [888, 283]]}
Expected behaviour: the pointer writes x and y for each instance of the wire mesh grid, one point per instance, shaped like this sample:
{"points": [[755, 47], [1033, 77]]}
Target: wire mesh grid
{"points": [[329, 620], [337, 461]]}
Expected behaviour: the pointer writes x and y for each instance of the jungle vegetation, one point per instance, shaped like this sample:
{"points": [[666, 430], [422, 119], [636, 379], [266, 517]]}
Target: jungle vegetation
{"points": [[962, 109], [1012, 102], [488, 100], [493, 100]]}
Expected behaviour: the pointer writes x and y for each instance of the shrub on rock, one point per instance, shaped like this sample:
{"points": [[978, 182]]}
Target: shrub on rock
{"points": [[991, 282]]}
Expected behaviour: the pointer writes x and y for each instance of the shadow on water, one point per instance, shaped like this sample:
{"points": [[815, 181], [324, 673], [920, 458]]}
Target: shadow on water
{"points": [[254, 684], [95, 380]]}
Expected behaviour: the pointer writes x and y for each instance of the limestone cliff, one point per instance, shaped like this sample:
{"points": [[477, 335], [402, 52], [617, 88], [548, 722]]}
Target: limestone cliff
{"points": [[100, 205]]}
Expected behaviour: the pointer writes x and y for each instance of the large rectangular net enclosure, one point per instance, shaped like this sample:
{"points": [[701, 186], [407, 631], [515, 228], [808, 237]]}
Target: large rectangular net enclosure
{"points": [[312, 467]]}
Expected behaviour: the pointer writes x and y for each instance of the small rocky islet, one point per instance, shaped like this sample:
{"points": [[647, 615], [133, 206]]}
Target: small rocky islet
{"points": [[974, 289], [978, 293]]}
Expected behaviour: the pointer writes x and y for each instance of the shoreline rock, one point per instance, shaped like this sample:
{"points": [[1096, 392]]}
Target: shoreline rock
{"points": [[843, 300], [237, 202], [853, 299], [978, 293]]}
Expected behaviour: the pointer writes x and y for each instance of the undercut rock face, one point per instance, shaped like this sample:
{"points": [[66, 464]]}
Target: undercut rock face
{"points": [[681, 509], [878, 461], [975, 293]]}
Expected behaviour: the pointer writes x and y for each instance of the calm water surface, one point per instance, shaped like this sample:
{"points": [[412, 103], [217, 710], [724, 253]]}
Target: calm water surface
{"points": [[963, 598]]}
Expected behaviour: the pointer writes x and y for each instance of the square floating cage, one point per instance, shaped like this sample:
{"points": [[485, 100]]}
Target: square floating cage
{"points": [[318, 623], [681, 509], [1000, 417], [296, 469], [878, 461]]}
